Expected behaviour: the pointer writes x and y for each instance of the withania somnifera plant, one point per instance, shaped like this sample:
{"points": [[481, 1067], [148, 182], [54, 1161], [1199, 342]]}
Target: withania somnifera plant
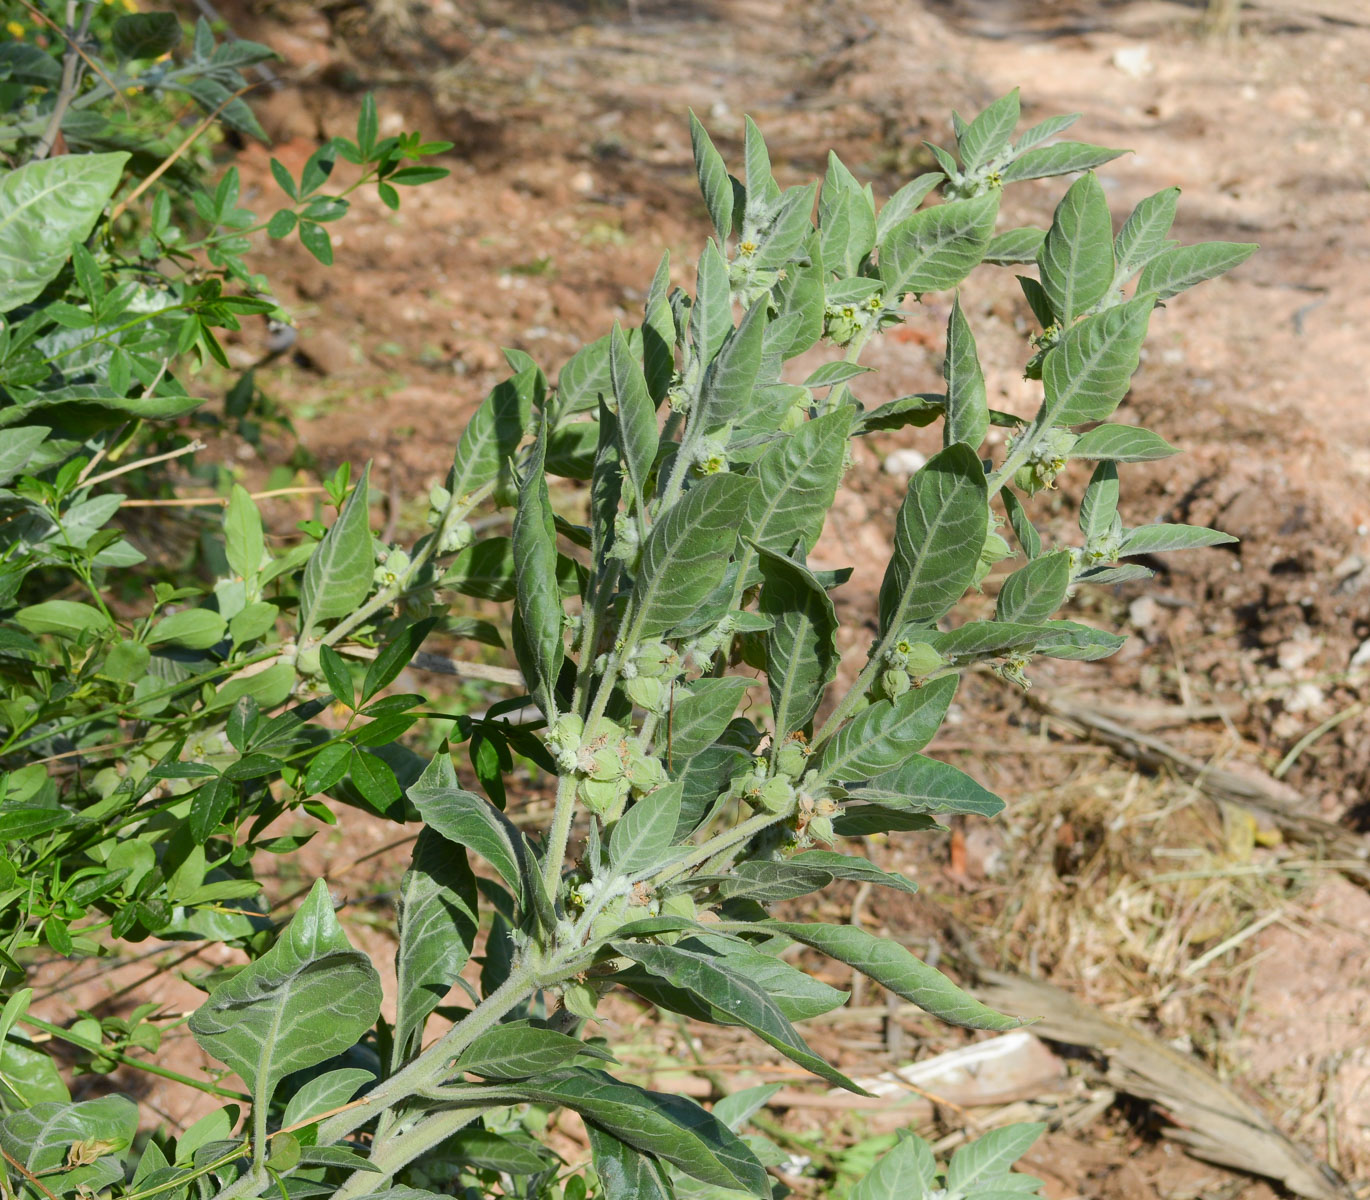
{"points": [[664, 497]]}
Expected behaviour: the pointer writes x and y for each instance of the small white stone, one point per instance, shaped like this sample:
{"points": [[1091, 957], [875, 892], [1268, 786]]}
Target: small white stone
{"points": [[1304, 698], [1361, 658], [904, 462], [1134, 61]]}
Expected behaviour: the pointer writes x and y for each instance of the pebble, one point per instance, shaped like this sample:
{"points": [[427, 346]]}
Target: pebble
{"points": [[903, 463]]}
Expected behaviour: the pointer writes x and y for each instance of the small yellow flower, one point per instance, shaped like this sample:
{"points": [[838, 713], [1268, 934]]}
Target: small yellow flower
{"points": [[16, 30], [131, 5]]}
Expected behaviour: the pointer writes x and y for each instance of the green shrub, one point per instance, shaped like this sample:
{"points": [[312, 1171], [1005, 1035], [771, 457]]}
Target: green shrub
{"points": [[705, 477]]}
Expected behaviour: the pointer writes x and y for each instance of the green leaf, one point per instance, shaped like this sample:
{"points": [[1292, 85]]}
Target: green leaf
{"points": [[1076, 259], [518, 1051], [585, 378], [47, 208], [1015, 246], [268, 688], [643, 836], [194, 628], [537, 627], [770, 882], [762, 191], [904, 203], [1172, 271], [801, 648], [1034, 592], [1143, 235], [209, 806], [711, 318], [337, 676], [485, 569], [64, 618], [636, 415], [472, 821], [906, 1172], [326, 768], [796, 480], [337, 577], [848, 866], [730, 378], [146, 34], [690, 966], [1122, 443], [936, 248], [41, 1138], [782, 236], [1076, 642], [244, 544], [920, 410], [1087, 373], [314, 238], [967, 406], [396, 654], [698, 719], [626, 1173], [1157, 539], [23, 62], [895, 969], [686, 554], [20, 444], [1099, 504], [925, 785], [835, 372], [493, 433], [990, 134], [714, 183], [324, 1093], [882, 736], [939, 533], [982, 1161], [862, 820], [437, 928], [670, 1127], [22, 822], [845, 220], [659, 333], [1064, 158]]}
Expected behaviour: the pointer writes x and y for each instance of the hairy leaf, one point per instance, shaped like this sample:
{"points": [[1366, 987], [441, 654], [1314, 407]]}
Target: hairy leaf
{"points": [[938, 247], [882, 736], [1076, 258], [337, 577], [925, 785], [801, 648]]}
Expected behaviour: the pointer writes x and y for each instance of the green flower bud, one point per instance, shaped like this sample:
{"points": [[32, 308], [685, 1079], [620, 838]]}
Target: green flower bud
{"points": [[645, 773], [307, 662], [647, 694], [600, 796], [894, 683], [581, 1000], [792, 758], [679, 905], [776, 795], [921, 659], [457, 538], [820, 829]]}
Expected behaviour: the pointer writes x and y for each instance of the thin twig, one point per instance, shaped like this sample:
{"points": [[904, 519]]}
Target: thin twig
{"points": [[438, 664], [66, 91], [190, 448], [219, 501], [26, 1173], [165, 165]]}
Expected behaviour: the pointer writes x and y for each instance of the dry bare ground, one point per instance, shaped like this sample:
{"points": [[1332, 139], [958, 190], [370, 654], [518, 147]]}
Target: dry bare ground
{"points": [[1206, 922]]}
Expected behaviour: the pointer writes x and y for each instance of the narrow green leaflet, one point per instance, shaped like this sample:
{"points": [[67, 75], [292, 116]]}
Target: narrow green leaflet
{"points": [[714, 183], [906, 1172], [801, 648], [731, 376], [1122, 443], [983, 1161], [1075, 262], [709, 977], [1087, 373], [244, 543], [686, 554], [47, 208], [862, 820], [926, 785], [659, 333], [796, 993], [1076, 642], [194, 628], [437, 927], [967, 405], [669, 1127], [938, 536], [711, 318], [848, 866], [894, 968], [783, 234], [584, 379], [337, 577], [65, 618], [991, 133], [636, 415], [882, 736], [904, 203], [1144, 233], [937, 247], [645, 833], [1033, 592], [762, 190], [1172, 271], [698, 719], [309, 997], [1156, 539], [796, 480], [845, 220], [516, 1051], [493, 433], [537, 625], [768, 881]]}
